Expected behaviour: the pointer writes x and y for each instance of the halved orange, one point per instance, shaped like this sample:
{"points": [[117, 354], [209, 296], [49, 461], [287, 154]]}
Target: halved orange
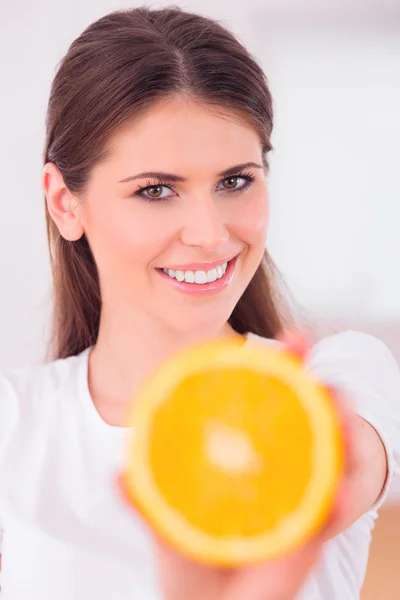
{"points": [[236, 452]]}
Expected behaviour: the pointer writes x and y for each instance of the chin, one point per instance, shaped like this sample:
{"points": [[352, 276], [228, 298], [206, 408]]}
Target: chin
{"points": [[201, 323]]}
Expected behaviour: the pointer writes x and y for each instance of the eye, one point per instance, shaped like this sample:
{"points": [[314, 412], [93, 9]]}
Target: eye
{"points": [[231, 182], [237, 183], [157, 192]]}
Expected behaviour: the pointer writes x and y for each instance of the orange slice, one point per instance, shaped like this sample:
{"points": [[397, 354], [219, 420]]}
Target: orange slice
{"points": [[236, 452]]}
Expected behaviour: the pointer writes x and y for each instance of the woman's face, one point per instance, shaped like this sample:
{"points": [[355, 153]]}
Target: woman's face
{"points": [[177, 216]]}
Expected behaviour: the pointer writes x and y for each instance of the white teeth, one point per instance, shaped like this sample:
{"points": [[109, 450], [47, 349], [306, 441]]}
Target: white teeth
{"points": [[212, 275], [199, 277], [189, 276]]}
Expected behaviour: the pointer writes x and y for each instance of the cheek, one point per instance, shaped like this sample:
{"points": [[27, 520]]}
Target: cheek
{"points": [[124, 236], [252, 219]]}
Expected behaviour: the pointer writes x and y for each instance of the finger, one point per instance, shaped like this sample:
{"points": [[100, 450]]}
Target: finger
{"points": [[296, 342], [278, 579], [182, 578]]}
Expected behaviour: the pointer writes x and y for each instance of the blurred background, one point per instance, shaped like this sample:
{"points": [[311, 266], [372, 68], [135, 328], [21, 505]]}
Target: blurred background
{"points": [[334, 71]]}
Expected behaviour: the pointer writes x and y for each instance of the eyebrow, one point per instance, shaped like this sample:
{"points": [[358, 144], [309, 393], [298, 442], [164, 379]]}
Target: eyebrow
{"points": [[172, 177]]}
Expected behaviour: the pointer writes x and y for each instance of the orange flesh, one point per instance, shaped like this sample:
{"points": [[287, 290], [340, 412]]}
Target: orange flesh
{"points": [[234, 473]]}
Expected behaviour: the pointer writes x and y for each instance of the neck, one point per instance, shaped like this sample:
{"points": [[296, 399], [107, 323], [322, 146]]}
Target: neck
{"points": [[128, 349]]}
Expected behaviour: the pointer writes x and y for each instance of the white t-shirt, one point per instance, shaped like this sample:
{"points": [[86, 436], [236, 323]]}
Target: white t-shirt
{"points": [[67, 535]]}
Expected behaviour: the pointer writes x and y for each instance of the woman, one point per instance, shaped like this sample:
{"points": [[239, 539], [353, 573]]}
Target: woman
{"points": [[158, 132]]}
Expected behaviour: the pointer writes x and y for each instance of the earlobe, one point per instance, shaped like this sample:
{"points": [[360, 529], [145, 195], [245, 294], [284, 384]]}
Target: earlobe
{"points": [[61, 204]]}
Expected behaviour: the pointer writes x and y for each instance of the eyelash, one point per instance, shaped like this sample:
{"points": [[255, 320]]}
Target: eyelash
{"points": [[249, 177]]}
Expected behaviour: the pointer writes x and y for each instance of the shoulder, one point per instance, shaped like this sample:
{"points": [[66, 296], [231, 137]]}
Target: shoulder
{"points": [[356, 359], [24, 382], [345, 350], [27, 394], [352, 344], [364, 367]]}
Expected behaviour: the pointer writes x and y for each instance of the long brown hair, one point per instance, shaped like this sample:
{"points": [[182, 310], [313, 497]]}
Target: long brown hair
{"points": [[112, 72]]}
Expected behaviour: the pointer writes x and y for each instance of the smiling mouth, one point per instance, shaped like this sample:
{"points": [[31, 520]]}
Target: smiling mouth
{"points": [[198, 277]]}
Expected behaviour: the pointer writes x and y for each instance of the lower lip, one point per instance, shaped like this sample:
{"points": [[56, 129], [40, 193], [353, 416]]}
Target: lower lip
{"points": [[203, 289]]}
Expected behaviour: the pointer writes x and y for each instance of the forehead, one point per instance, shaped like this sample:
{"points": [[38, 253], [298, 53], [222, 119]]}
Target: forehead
{"points": [[180, 132]]}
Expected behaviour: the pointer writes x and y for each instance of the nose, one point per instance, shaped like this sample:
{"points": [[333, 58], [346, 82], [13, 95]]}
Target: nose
{"points": [[204, 224]]}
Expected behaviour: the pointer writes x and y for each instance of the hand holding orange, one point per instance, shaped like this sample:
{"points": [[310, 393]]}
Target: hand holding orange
{"points": [[237, 452]]}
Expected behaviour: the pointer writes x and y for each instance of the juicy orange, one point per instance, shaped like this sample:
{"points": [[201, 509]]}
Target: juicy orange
{"points": [[236, 452]]}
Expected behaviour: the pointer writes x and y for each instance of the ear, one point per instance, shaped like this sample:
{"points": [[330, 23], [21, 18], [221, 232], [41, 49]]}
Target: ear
{"points": [[62, 204]]}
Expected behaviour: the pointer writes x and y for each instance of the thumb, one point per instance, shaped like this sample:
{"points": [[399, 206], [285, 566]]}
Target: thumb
{"points": [[296, 341]]}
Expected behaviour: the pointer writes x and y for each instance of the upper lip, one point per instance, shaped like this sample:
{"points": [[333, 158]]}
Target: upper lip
{"points": [[201, 266]]}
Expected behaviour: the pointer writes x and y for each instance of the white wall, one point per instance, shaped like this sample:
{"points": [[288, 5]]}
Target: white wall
{"points": [[335, 176]]}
